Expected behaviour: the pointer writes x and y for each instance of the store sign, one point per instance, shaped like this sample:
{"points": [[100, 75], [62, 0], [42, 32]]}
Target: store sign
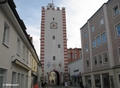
{"points": [[76, 70]]}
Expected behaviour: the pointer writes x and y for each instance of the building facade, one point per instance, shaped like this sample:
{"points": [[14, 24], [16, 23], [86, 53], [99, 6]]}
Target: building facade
{"points": [[53, 44], [16, 49], [75, 69], [73, 54], [100, 38]]}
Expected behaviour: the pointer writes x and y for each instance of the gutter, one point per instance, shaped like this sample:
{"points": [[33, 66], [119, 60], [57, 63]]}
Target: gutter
{"points": [[3, 2]]}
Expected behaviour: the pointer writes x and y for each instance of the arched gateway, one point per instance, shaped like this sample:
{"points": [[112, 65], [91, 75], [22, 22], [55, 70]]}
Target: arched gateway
{"points": [[54, 78]]}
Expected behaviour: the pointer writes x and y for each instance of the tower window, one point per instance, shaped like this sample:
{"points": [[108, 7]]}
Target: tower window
{"points": [[53, 37], [53, 57], [58, 45], [53, 18]]}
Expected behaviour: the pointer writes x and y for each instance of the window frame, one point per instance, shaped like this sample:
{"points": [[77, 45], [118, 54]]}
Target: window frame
{"points": [[92, 27], [6, 34], [113, 10], [18, 46], [85, 35], [99, 59], [104, 57], [101, 19], [118, 50], [58, 45], [87, 66], [24, 52], [104, 39], [94, 42], [53, 37], [94, 61], [54, 58], [86, 50], [116, 30], [97, 40]]}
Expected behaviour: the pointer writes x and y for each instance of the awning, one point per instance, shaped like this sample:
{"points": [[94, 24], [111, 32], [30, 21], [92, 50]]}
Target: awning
{"points": [[18, 62], [75, 75]]}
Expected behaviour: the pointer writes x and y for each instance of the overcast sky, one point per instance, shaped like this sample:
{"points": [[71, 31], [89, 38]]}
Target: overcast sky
{"points": [[77, 14]]}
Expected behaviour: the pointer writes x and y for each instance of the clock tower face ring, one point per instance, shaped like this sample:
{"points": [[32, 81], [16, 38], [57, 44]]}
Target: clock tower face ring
{"points": [[53, 25]]}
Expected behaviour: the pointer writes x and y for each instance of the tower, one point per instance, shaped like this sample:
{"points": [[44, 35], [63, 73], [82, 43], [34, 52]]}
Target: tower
{"points": [[54, 44]]}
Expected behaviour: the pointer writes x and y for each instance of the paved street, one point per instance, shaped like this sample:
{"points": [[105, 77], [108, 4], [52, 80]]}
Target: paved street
{"points": [[62, 87]]}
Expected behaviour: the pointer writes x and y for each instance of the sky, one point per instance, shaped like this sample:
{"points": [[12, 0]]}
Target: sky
{"points": [[77, 14]]}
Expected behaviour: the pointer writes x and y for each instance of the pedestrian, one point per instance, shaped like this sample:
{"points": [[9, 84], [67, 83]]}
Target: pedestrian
{"points": [[42, 84], [45, 84], [81, 84]]}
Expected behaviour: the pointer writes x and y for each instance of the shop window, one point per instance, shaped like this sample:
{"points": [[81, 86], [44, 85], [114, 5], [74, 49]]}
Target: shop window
{"points": [[97, 81]]}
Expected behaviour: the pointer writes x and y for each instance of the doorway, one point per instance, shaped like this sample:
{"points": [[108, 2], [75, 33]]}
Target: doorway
{"points": [[54, 78], [106, 83]]}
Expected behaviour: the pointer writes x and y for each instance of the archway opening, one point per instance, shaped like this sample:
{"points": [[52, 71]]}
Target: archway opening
{"points": [[54, 78]]}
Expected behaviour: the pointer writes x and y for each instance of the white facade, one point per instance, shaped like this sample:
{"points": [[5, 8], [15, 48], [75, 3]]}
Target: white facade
{"points": [[15, 49], [53, 40], [75, 71], [76, 67], [51, 45]]}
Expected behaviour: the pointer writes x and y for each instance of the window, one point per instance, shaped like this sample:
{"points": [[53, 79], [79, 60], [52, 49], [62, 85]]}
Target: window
{"points": [[58, 45], [6, 34], [98, 41], [13, 78], [95, 60], [27, 56], [119, 53], [53, 37], [18, 80], [103, 38], [94, 43], [85, 35], [100, 59], [53, 57], [97, 81], [18, 46], [116, 10], [117, 27], [87, 63], [26, 85], [105, 57], [86, 48], [74, 56], [1, 78], [24, 52], [88, 81], [101, 21], [22, 81], [92, 28], [119, 77]]}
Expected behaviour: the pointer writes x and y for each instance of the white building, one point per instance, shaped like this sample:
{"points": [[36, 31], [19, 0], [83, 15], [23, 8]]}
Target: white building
{"points": [[53, 43], [16, 48], [75, 71]]}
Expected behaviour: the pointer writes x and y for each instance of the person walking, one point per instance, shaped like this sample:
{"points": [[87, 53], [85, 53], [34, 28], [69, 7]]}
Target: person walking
{"points": [[81, 85], [45, 84], [42, 84]]}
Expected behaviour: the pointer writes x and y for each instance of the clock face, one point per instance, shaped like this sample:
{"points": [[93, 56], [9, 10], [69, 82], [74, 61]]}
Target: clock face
{"points": [[53, 25]]}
